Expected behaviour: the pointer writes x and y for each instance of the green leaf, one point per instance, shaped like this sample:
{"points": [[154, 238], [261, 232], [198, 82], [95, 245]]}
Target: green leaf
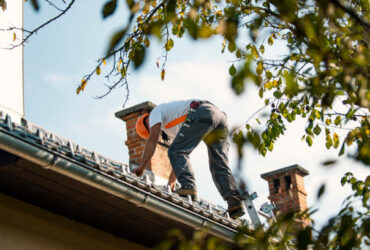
{"points": [[147, 42], [329, 162], [309, 140], [205, 31], [253, 138], [292, 87], [237, 83], [337, 120], [3, 5], [317, 130], [260, 92], [109, 8], [270, 41], [139, 55], [232, 46], [367, 181], [35, 4], [254, 51], [321, 191], [309, 131], [259, 69], [262, 49], [116, 38], [277, 94], [123, 72], [232, 70], [169, 44], [329, 142], [350, 114], [270, 147], [304, 237], [336, 140], [268, 74], [342, 149]]}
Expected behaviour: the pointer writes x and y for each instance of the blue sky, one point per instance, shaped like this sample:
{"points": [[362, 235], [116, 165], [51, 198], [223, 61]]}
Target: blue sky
{"points": [[59, 56]]}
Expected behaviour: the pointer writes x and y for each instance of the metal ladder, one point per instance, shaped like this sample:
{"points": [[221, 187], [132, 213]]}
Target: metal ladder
{"points": [[265, 210]]}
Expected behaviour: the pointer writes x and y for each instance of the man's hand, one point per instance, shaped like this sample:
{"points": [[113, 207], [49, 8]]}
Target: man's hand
{"points": [[172, 184], [138, 171], [150, 147], [172, 180]]}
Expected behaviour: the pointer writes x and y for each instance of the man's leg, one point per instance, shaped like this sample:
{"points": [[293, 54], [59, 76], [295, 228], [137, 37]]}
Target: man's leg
{"points": [[221, 174], [218, 149], [190, 135]]}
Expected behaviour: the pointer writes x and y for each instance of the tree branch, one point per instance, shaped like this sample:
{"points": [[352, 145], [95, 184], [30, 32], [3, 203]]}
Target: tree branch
{"points": [[30, 33], [352, 13], [52, 4], [130, 37]]}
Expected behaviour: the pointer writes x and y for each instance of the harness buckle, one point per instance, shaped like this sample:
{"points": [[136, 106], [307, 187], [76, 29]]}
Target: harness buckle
{"points": [[194, 104]]}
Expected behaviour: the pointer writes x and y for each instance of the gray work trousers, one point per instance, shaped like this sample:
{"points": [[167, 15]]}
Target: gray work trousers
{"points": [[209, 124]]}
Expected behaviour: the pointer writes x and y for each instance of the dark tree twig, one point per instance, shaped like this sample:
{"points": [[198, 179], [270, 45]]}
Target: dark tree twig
{"points": [[34, 31], [52, 4]]}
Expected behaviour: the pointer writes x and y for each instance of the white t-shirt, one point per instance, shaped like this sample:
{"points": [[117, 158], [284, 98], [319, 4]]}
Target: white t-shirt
{"points": [[167, 112]]}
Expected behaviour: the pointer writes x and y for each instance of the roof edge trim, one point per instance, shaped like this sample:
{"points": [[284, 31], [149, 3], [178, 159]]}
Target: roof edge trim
{"points": [[61, 164]]}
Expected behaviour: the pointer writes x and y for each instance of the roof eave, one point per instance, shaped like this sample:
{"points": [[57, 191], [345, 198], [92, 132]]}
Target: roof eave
{"points": [[63, 165]]}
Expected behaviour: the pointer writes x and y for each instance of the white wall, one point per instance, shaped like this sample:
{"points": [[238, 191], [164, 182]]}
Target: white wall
{"points": [[11, 61], [26, 227]]}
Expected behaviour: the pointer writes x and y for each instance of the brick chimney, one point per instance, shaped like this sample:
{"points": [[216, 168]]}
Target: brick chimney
{"points": [[160, 165], [287, 191]]}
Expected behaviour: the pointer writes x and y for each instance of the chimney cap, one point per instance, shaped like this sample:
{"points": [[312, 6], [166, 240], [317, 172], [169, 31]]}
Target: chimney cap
{"points": [[294, 167], [139, 107]]}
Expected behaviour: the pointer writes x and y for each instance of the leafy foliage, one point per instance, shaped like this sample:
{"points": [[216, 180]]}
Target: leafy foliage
{"points": [[324, 67], [347, 230], [322, 77]]}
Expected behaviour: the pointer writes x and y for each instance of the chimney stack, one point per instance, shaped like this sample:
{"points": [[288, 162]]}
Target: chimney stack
{"points": [[160, 165], [287, 191]]}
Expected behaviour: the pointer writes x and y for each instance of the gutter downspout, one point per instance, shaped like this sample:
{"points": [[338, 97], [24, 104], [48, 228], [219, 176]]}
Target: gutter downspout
{"points": [[61, 164]]}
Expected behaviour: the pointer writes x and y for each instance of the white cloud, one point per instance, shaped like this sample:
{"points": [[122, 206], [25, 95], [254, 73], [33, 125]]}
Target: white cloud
{"points": [[99, 130], [186, 80], [210, 81], [56, 79]]}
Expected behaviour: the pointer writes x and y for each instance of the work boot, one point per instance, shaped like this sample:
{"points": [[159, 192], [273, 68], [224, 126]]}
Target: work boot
{"points": [[236, 209], [183, 192]]}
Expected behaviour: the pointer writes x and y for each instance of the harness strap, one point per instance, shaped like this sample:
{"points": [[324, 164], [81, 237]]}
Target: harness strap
{"points": [[176, 121]]}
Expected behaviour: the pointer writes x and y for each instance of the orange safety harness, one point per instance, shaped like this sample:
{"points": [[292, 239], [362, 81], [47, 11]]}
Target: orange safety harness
{"points": [[176, 121]]}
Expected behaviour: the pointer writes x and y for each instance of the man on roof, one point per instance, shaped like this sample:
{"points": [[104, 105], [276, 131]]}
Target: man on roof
{"points": [[187, 123]]}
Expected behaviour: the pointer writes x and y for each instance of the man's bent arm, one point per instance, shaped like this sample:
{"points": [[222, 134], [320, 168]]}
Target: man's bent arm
{"points": [[150, 147]]}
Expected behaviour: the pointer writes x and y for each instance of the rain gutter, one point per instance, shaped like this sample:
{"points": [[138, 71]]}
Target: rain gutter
{"points": [[61, 164]]}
